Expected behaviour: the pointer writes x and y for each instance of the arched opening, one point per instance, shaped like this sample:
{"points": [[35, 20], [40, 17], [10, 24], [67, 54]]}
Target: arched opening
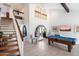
{"points": [[24, 31], [40, 31]]}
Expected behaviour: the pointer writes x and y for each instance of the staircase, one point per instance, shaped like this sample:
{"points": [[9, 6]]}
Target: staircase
{"points": [[8, 41], [9, 47]]}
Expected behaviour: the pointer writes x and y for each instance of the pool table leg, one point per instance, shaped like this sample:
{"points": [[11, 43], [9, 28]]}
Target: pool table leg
{"points": [[69, 48], [52, 41], [48, 41]]}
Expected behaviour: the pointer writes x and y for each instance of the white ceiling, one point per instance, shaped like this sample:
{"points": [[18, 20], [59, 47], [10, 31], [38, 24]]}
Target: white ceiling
{"points": [[53, 5], [71, 6]]}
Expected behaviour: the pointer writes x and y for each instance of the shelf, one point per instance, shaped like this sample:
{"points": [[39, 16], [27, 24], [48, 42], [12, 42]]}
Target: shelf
{"points": [[19, 11], [19, 17], [40, 13], [6, 18]]}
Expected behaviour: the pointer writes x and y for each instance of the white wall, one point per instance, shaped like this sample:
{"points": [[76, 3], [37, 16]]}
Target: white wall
{"points": [[35, 21], [55, 17], [60, 17], [26, 17]]}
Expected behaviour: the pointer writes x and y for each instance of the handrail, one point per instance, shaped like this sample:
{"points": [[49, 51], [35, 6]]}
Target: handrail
{"points": [[18, 33], [18, 26]]}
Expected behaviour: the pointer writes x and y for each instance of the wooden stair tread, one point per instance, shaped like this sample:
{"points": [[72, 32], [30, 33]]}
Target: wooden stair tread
{"points": [[8, 30], [18, 54], [3, 25], [8, 46], [7, 53], [12, 37], [11, 40], [4, 54], [12, 51], [4, 38], [8, 41]]}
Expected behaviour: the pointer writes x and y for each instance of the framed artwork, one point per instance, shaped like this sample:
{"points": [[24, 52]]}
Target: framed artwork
{"points": [[77, 28], [55, 28], [65, 28]]}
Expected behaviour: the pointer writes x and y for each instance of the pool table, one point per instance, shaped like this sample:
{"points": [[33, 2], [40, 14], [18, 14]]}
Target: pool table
{"points": [[63, 40]]}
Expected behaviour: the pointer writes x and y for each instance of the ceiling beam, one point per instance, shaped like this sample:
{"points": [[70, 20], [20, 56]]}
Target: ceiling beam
{"points": [[65, 7]]}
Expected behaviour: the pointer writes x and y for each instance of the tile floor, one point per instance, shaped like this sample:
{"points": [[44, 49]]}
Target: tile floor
{"points": [[41, 48]]}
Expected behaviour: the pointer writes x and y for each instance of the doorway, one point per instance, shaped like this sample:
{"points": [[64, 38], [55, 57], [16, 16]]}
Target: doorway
{"points": [[24, 31], [40, 31]]}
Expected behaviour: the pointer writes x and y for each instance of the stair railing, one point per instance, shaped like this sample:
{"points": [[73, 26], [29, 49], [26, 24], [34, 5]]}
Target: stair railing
{"points": [[18, 33]]}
